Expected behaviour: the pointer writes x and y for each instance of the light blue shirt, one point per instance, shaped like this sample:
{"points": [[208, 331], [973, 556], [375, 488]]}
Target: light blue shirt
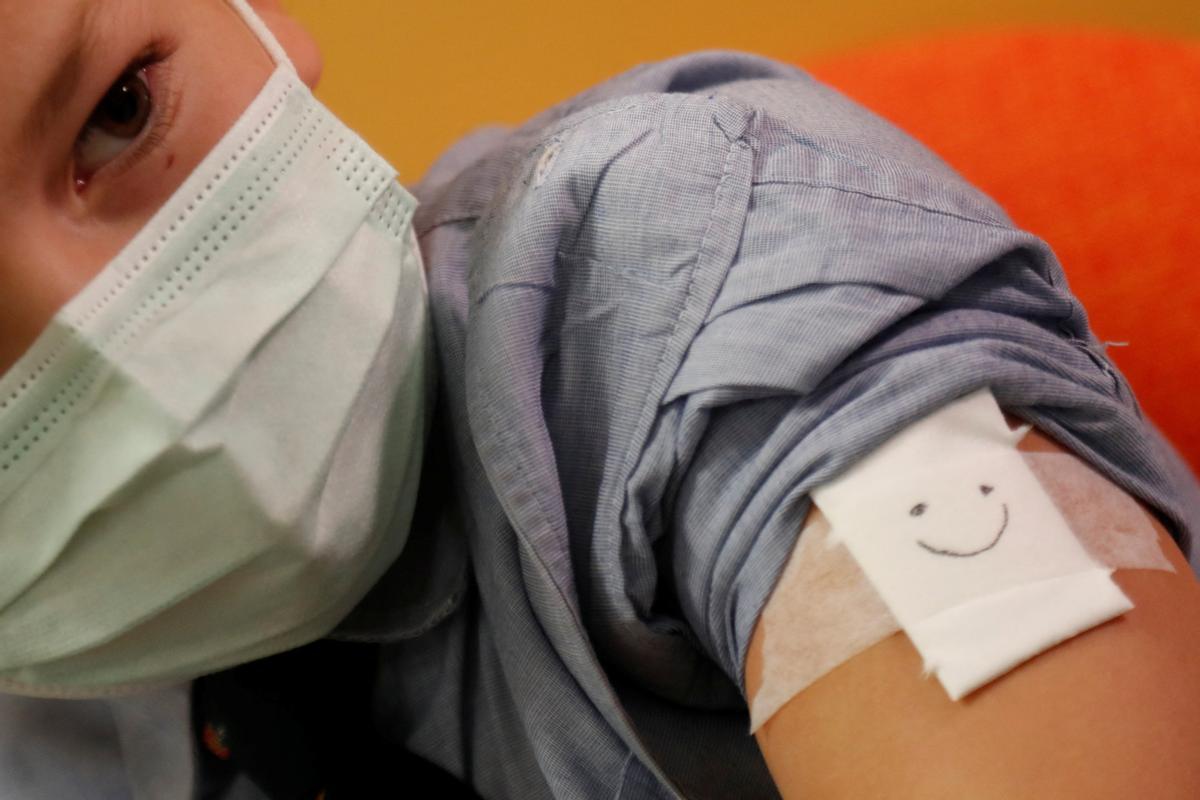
{"points": [[666, 310]]}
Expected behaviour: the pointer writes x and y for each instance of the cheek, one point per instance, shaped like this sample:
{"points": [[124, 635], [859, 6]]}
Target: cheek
{"points": [[45, 262]]}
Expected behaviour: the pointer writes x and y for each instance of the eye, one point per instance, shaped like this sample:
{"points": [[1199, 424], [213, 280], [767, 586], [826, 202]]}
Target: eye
{"points": [[120, 118], [917, 510], [985, 490]]}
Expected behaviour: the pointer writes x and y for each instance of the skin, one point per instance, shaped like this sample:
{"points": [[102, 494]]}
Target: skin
{"points": [[56, 234], [1112, 713]]}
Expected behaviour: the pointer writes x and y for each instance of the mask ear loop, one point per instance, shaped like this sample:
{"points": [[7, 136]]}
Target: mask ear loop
{"points": [[260, 29]]}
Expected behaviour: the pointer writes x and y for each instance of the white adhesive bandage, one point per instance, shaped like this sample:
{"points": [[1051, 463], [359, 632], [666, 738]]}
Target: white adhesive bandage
{"points": [[980, 542]]}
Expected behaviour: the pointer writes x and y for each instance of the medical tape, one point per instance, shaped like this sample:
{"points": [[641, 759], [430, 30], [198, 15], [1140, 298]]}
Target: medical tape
{"points": [[996, 556]]}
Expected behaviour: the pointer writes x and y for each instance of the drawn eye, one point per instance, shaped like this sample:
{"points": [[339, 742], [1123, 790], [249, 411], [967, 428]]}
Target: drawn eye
{"points": [[917, 510], [985, 489]]}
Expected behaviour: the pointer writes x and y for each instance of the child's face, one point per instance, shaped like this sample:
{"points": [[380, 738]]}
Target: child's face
{"points": [[107, 106]]}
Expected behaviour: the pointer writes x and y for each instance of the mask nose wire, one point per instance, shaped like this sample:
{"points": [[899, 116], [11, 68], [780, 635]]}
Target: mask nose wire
{"points": [[260, 29]]}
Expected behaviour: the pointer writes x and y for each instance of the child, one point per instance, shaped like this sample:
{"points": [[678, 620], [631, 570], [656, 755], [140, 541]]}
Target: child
{"points": [[667, 311]]}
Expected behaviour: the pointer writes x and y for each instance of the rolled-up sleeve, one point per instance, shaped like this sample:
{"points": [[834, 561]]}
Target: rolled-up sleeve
{"points": [[865, 294]]}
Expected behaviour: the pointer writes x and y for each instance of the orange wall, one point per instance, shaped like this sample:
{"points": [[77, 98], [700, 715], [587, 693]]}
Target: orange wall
{"points": [[414, 76]]}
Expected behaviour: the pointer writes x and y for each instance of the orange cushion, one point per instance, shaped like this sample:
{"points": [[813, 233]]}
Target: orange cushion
{"points": [[1092, 141]]}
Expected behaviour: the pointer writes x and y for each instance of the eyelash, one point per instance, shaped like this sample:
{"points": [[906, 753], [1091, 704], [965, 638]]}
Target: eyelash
{"points": [[155, 61]]}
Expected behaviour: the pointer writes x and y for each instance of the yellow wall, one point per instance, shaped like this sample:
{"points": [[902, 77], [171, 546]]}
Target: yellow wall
{"points": [[413, 76]]}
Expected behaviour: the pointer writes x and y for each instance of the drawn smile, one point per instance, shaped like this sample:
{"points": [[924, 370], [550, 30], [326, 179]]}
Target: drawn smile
{"points": [[956, 554]]}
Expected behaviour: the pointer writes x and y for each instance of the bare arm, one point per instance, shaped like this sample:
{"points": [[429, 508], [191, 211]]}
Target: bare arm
{"points": [[1112, 713]]}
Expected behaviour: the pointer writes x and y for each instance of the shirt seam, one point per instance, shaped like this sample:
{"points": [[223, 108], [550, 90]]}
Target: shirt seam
{"points": [[633, 451]]}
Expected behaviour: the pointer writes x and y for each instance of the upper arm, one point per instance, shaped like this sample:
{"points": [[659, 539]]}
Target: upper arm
{"points": [[1113, 712]]}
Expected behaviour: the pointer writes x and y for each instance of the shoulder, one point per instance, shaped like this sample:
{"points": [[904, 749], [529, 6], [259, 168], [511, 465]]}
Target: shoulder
{"points": [[797, 128]]}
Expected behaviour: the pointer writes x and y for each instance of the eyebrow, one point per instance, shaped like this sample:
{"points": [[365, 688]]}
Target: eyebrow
{"points": [[63, 82]]}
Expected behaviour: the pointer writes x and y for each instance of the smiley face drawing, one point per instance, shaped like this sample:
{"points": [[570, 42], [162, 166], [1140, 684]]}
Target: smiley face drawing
{"points": [[984, 489], [957, 535], [947, 511]]}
